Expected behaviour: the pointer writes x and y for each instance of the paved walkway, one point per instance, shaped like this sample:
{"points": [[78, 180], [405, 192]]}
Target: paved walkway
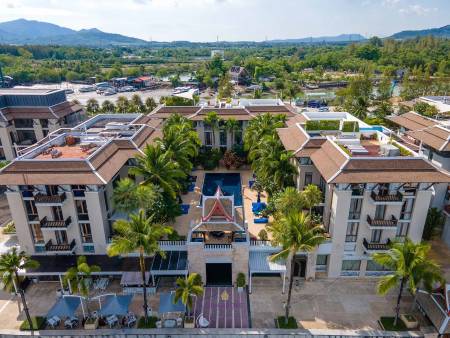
{"points": [[224, 307]]}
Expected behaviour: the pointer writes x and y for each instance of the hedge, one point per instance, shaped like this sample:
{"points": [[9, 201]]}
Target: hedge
{"points": [[322, 125], [350, 126], [38, 323]]}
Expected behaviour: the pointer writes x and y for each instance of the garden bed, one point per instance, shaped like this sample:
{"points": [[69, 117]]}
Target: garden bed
{"points": [[151, 323], [387, 324], [281, 324], [38, 323]]}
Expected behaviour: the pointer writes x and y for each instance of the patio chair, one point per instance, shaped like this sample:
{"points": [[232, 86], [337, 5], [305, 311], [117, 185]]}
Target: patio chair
{"points": [[53, 321], [202, 322]]}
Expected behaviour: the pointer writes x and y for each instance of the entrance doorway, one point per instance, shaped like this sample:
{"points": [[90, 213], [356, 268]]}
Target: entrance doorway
{"points": [[218, 274], [300, 267]]}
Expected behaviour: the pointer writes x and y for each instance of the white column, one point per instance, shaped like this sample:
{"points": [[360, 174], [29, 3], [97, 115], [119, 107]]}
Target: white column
{"points": [[284, 282], [250, 283]]}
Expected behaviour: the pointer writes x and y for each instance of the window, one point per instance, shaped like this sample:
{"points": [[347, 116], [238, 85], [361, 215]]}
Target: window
{"points": [[383, 189], [23, 123], [430, 155], [208, 138], [61, 237], [410, 188], [351, 265], [26, 137], [375, 269], [51, 190], [27, 190], [223, 138], [352, 232], [321, 262], [105, 196], [305, 161], [402, 229], [36, 233], [44, 123], [407, 208], [376, 236], [238, 137], [86, 234], [322, 186], [380, 211], [357, 189], [88, 248], [355, 208], [31, 210], [308, 179], [78, 190], [57, 214], [82, 210]]}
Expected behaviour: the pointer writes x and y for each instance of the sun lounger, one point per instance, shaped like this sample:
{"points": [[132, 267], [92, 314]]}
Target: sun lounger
{"points": [[185, 208], [258, 207], [261, 220]]}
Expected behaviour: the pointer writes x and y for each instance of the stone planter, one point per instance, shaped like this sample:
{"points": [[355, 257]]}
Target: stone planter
{"points": [[189, 323], [240, 289], [91, 325], [410, 321]]}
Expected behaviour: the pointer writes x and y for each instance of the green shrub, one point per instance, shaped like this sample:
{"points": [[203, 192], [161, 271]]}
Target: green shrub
{"points": [[403, 151], [151, 323], [174, 236], [281, 324], [198, 279], [322, 125], [345, 150], [240, 280], [262, 235], [9, 228], [350, 126], [38, 323]]}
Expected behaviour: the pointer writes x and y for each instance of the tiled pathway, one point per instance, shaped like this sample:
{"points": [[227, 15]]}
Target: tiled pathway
{"points": [[224, 307]]}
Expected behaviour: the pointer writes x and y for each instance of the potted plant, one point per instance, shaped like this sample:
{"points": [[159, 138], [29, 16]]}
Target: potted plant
{"points": [[189, 322], [91, 324], [187, 288], [410, 321], [240, 281]]}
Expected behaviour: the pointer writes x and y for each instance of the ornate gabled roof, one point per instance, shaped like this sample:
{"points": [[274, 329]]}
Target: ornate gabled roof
{"points": [[218, 209]]}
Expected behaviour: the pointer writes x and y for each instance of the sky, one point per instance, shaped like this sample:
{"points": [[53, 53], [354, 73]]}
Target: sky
{"points": [[233, 20]]}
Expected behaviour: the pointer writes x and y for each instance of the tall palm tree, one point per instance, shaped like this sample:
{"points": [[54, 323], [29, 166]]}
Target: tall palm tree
{"points": [[136, 104], [92, 106], [156, 166], [10, 264], [108, 107], [289, 200], [411, 266], [130, 197], [212, 119], [139, 234], [122, 104], [186, 288], [232, 125], [311, 196], [294, 232], [260, 127], [79, 276], [150, 104]]}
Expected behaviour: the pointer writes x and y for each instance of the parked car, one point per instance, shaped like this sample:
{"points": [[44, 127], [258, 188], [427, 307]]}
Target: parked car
{"points": [[69, 91], [86, 89], [109, 92]]}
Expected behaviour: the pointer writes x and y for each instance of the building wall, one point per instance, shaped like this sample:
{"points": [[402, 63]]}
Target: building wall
{"points": [[18, 215]]}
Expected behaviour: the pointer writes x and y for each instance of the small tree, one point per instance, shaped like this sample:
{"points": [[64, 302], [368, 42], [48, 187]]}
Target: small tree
{"points": [[10, 264], [433, 224], [150, 104], [411, 266], [92, 106], [108, 107], [311, 196], [186, 288], [240, 280], [80, 276]]}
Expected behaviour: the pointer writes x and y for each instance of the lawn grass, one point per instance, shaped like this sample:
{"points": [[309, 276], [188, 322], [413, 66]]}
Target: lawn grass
{"points": [[281, 324], [151, 324], [38, 323], [387, 324]]}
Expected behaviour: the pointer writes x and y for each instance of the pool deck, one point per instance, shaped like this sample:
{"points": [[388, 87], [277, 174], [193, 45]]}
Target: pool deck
{"points": [[243, 214]]}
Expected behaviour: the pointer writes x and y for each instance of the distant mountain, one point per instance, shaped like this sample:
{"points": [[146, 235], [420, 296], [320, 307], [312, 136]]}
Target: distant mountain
{"points": [[23, 31], [336, 38], [443, 32]]}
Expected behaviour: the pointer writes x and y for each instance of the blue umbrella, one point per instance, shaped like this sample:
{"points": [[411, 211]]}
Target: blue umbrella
{"points": [[65, 307], [166, 303], [116, 305]]}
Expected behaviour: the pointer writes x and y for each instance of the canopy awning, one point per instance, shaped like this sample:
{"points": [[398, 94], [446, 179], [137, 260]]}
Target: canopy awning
{"points": [[174, 263], [65, 307], [133, 278], [260, 262], [116, 305], [166, 304]]}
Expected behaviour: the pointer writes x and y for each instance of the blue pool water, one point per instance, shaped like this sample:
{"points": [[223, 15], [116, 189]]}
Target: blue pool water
{"points": [[230, 183]]}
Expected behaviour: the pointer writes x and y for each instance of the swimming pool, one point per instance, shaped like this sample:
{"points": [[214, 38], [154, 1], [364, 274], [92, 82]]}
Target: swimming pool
{"points": [[230, 183]]}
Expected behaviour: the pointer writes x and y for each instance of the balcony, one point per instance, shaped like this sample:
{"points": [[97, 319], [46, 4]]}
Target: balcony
{"points": [[382, 223], [55, 225], [376, 247], [27, 193], [388, 198], [60, 248], [50, 200]]}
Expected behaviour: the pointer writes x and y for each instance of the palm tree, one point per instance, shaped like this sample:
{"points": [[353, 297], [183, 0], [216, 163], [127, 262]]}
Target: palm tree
{"points": [[186, 288], [411, 266], [122, 104], [139, 234], [150, 104], [433, 224], [289, 200], [260, 127], [80, 277], [10, 264], [108, 107], [232, 125], [92, 106], [294, 232], [311, 196], [129, 196], [212, 119], [136, 104], [156, 166]]}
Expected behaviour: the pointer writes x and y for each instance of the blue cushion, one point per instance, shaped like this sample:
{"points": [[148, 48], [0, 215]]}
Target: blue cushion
{"points": [[261, 220], [191, 187], [184, 208]]}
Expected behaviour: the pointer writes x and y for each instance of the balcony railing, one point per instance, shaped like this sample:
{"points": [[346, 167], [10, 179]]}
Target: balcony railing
{"points": [[218, 247], [27, 193], [46, 224], [386, 198], [387, 223], [376, 246], [50, 199], [49, 246]]}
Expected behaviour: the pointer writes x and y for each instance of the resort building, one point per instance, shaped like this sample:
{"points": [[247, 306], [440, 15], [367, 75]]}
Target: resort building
{"points": [[442, 103], [29, 115], [430, 139], [375, 189], [242, 111]]}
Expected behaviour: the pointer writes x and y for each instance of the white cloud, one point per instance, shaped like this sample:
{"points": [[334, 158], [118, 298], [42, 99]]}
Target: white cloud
{"points": [[417, 10]]}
